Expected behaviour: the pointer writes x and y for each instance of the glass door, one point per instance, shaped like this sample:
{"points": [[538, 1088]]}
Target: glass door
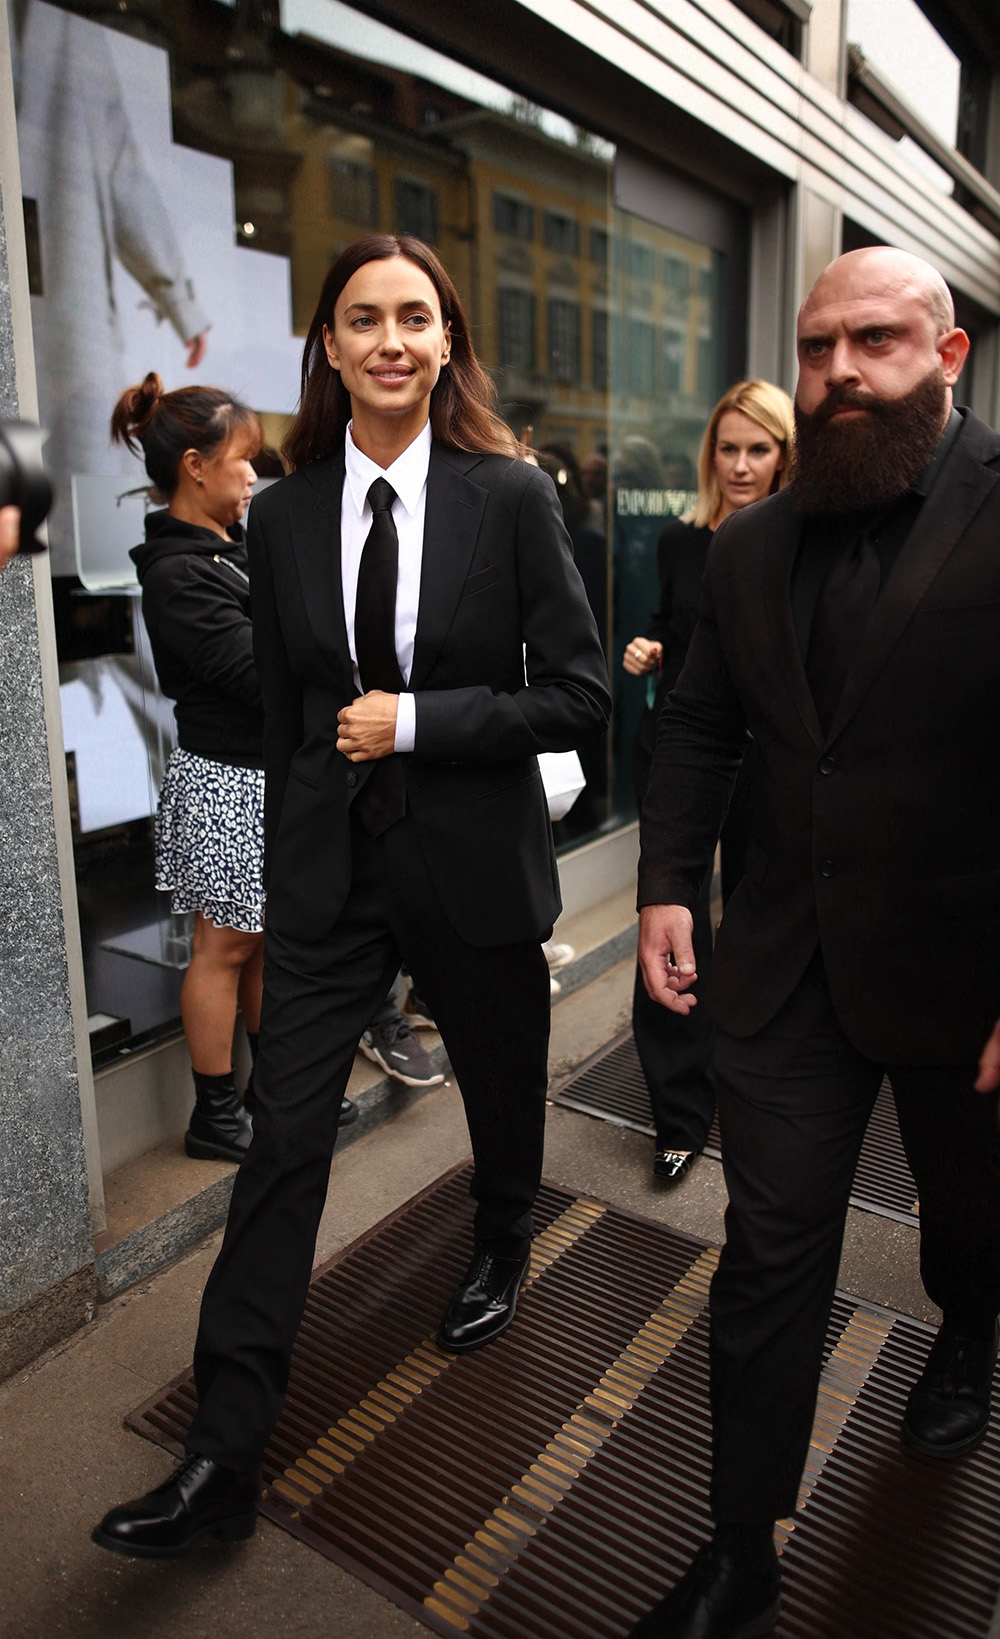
{"points": [[678, 321]]}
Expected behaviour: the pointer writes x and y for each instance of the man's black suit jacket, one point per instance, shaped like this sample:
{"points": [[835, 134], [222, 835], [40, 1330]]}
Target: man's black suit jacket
{"points": [[880, 839], [500, 602]]}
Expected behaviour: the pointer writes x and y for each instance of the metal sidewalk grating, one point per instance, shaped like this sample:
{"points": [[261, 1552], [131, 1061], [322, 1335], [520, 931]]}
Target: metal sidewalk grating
{"points": [[553, 1485], [611, 1086]]}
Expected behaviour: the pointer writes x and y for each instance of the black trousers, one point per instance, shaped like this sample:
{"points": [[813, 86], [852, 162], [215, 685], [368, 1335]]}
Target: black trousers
{"points": [[492, 1008], [794, 1101], [674, 1050]]}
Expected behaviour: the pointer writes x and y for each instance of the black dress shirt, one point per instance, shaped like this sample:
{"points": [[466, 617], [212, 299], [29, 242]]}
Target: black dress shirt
{"points": [[825, 538]]}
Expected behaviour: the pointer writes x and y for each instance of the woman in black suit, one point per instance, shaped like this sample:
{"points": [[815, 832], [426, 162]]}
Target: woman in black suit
{"points": [[421, 633], [744, 456]]}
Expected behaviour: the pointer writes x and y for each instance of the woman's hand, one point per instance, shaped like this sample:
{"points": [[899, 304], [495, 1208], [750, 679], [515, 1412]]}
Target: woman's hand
{"points": [[366, 729], [642, 655]]}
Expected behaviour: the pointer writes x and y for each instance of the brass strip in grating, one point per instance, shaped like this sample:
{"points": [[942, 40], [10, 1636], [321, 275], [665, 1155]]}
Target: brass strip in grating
{"points": [[851, 1363], [338, 1446], [558, 1467], [611, 1086], [533, 1491]]}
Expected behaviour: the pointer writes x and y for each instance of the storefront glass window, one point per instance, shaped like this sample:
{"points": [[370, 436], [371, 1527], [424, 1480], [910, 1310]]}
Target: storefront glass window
{"points": [[189, 198]]}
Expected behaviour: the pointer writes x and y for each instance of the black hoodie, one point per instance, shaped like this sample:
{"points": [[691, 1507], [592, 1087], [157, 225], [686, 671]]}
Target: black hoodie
{"points": [[196, 605]]}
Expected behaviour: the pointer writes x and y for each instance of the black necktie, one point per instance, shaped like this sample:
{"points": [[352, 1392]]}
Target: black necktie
{"points": [[375, 606], [381, 800], [846, 600]]}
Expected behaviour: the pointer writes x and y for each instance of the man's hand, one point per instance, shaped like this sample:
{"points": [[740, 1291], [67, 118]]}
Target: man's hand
{"points": [[666, 956], [367, 727], [10, 532], [988, 1079]]}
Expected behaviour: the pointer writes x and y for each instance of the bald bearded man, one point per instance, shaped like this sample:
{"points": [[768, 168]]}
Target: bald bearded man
{"points": [[852, 624]]}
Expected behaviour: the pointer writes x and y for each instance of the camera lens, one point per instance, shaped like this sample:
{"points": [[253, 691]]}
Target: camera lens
{"points": [[24, 481]]}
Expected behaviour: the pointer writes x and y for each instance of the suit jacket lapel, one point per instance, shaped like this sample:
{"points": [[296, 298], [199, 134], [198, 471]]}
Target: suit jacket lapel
{"points": [[452, 519], [961, 488], [779, 548], [315, 536]]}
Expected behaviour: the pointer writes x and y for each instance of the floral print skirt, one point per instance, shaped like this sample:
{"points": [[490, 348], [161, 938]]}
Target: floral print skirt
{"points": [[210, 840]]}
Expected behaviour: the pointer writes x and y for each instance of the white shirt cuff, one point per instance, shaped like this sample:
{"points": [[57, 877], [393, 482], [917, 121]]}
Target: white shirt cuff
{"points": [[406, 723]]}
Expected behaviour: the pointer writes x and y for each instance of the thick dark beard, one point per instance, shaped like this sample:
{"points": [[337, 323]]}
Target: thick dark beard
{"points": [[845, 466]]}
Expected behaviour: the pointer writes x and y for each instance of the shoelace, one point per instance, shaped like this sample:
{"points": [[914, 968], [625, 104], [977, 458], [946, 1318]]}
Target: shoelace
{"points": [[393, 1030], [187, 1468], [485, 1267]]}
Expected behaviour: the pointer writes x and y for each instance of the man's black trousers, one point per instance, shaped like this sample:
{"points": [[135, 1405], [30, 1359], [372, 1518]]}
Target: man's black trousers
{"points": [[794, 1101], [492, 1009], [675, 1050]]}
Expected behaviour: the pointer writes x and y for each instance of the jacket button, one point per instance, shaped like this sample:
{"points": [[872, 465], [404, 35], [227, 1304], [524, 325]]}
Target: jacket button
{"points": [[828, 765], [352, 777], [826, 867]]}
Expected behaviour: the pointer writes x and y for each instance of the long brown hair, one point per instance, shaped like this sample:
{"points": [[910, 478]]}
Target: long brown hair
{"points": [[463, 408], [164, 425]]}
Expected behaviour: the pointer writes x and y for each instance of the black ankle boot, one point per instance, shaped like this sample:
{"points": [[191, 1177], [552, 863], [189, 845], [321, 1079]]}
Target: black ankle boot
{"points": [[220, 1128]]}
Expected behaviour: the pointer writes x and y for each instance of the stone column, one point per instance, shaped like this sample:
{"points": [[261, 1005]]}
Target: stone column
{"points": [[817, 217], [47, 1208]]}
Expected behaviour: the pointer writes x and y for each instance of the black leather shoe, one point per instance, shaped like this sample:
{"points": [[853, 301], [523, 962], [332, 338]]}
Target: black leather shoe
{"points": [[484, 1304], [948, 1411], [200, 1499], [670, 1166], [348, 1112], [716, 1599]]}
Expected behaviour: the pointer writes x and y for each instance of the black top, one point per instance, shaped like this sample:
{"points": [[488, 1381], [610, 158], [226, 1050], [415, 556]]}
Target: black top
{"points": [[823, 539], [196, 605], [681, 555]]}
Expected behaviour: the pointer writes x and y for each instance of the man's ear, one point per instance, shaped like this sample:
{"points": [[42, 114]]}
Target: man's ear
{"points": [[333, 357], [953, 350]]}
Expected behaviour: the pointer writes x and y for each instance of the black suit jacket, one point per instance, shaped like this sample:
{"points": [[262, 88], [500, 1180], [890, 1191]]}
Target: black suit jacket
{"points": [[497, 579], [880, 839]]}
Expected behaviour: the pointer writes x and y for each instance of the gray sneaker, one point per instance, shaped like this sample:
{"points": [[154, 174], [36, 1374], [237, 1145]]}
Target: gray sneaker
{"points": [[393, 1045]]}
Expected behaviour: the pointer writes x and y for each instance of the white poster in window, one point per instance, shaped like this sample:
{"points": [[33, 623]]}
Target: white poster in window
{"points": [[139, 265]]}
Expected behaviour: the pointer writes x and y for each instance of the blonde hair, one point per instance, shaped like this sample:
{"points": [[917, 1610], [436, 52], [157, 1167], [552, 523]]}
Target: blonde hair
{"points": [[772, 409]]}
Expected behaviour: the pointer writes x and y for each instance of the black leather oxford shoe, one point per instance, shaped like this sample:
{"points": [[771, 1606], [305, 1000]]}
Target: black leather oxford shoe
{"points": [[716, 1599], [484, 1304], [948, 1411], [670, 1166], [199, 1499]]}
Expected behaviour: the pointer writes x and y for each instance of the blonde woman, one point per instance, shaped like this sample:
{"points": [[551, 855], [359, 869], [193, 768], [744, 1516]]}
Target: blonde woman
{"points": [[744, 456]]}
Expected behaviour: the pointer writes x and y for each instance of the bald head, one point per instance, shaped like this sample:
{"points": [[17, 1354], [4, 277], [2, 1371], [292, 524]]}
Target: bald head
{"points": [[883, 273], [877, 321]]}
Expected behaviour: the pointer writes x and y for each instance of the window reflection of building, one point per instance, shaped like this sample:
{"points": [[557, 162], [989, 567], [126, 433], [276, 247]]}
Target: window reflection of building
{"points": [[521, 219], [516, 328]]}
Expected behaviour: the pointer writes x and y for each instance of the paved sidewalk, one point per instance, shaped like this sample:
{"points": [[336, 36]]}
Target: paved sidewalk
{"points": [[65, 1456]]}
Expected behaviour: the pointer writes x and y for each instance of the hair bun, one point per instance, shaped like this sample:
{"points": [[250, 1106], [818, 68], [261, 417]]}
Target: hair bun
{"points": [[134, 411], [145, 398]]}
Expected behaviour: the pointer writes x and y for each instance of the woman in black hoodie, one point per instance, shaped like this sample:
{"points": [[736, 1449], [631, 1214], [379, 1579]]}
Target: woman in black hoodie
{"points": [[198, 444]]}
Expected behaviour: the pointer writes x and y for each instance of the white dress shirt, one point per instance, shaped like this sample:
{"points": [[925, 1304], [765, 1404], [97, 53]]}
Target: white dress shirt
{"points": [[408, 477]]}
